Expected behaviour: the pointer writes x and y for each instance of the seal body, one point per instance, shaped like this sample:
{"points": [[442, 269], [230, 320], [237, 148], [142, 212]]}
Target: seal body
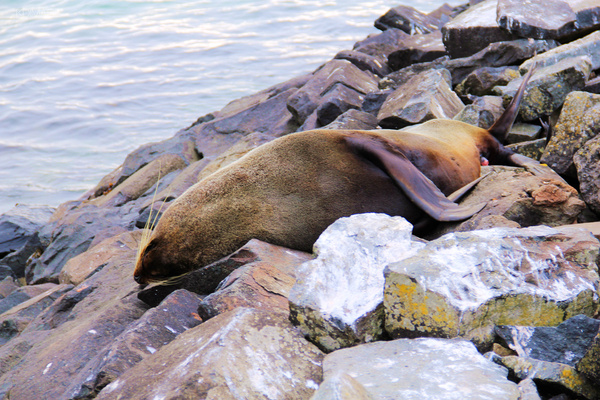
{"points": [[288, 191]]}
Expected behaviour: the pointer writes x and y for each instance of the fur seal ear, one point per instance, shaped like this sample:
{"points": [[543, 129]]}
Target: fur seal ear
{"points": [[502, 126], [415, 185]]}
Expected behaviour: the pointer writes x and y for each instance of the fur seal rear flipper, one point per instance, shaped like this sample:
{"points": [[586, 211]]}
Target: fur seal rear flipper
{"points": [[415, 185]]}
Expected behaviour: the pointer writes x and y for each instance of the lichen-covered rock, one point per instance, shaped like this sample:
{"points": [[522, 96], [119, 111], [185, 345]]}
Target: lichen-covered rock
{"points": [[426, 368], [241, 354], [341, 386], [549, 87], [464, 282], [587, 46], [424, 97], [351, 256], [481, 81], [546, 372], [551, 19], [579, 121], [588, 171], [473, 30], [531, 148]]}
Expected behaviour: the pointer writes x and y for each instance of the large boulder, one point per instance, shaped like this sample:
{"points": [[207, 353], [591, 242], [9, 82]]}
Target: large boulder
{"points": [[241, 354], [351, 256], [465, 283]]}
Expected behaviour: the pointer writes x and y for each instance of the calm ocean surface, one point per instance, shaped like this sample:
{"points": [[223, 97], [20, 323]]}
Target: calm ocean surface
{"points": [[83, 83]]}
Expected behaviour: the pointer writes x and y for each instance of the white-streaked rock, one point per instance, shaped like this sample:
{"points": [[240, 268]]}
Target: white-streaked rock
{"points": [[422, 368], [335, 292]]}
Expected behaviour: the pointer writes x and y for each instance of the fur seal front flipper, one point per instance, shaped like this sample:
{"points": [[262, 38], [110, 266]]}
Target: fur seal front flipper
{"points": [[415, 185]]}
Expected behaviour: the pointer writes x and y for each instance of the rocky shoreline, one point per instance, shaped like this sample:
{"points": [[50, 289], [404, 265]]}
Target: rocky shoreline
{"points": [[500, 306]]}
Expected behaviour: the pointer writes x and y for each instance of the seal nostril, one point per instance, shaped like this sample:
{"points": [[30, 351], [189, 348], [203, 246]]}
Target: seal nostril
{"points": [[138, 279]]}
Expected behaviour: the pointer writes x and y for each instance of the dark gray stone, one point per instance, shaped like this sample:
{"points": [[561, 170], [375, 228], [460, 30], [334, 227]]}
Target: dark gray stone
{"points": [[365, 62], [473, 30], [481, 81], [417, 49], [566, 343], [408, 20], [424, 97], [483, 112], [550, 19], [586, 161], [339, 99], [19, 224]]}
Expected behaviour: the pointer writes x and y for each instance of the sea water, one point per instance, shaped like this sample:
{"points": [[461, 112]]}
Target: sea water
{"points": [[85, 82]]}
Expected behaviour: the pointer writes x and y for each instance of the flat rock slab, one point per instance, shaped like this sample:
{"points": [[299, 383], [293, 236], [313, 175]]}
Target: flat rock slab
{"points": [[579, 121], [465, 282], [587, 46], [421, 369], [241, 354], [417, 49], [407, 19], [551, 19], [351, 256], [474, 29]]}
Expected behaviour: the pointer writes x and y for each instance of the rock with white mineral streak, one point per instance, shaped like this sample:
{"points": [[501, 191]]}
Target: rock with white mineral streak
{"points": [[423, 368], [464, 283], [337, 297]]}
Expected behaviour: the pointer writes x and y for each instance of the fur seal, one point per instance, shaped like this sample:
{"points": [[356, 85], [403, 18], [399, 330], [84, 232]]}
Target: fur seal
{"points": [[286, 192]]}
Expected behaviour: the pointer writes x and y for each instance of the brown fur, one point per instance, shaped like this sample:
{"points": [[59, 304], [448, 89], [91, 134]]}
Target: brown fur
{"points": [[288, 191]]}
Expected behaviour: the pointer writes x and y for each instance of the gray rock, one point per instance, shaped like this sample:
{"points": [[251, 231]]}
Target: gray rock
{"points": [[521, 132], [481, 81], [473, 30], [306, 100], [593, 85], [483, 112], [588, 46], [337, 100], [242, 354], [19, 224], [351, 256], [463, 283], [588, 14], [528, 390], [260, 284], [381, 44], [408, 20], [142, 338], [579, 121], [366, 62], [548, 87], [588, 170], [206, 280], [417, 49], [426, 96], [354, 119], [421, 369], [7, 286], [566, 343], [552, 19]]}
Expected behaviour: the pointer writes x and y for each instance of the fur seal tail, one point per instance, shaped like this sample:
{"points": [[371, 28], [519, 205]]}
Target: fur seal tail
{"points": [[502, 126]]}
